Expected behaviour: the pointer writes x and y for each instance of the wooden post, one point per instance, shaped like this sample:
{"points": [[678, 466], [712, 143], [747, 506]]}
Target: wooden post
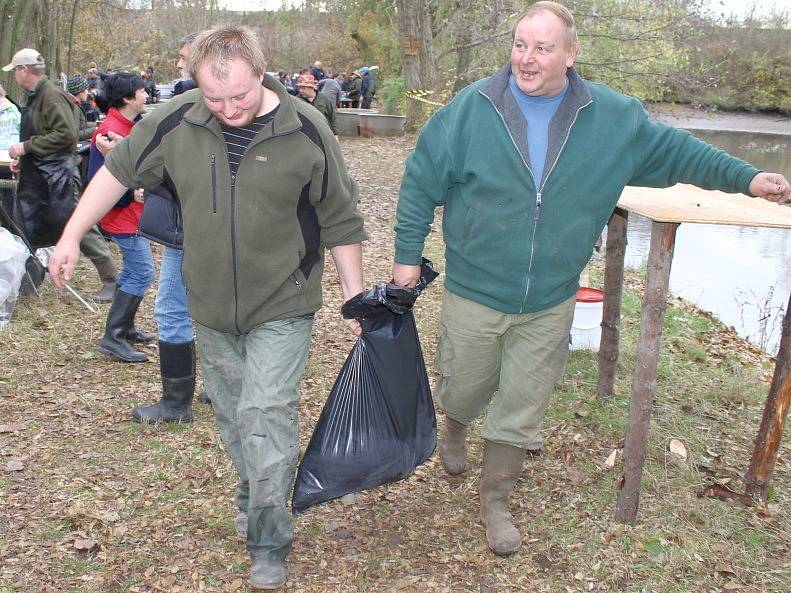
{"points": [[613, 291], [770, 433], [657, 280]]}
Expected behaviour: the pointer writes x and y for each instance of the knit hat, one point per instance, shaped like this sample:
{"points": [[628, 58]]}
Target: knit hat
{"points": [[307, 80], [76, 84]]}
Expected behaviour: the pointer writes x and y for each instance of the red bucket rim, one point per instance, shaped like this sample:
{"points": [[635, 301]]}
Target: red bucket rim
{"points": [[589, 295]]}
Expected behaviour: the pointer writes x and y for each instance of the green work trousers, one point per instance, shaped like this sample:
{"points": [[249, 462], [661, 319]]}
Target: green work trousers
{"points": [[511, 361], [94, 247], [251, 380]]}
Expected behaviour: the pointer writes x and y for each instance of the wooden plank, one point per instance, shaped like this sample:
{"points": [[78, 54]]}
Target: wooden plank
{"points": [[5, 160], [687, 203], [770, 433], [613, 292], [660, 258]]}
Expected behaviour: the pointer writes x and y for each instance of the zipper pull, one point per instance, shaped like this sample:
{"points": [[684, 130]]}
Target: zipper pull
{"points": [[537, 213], [233, 180]]}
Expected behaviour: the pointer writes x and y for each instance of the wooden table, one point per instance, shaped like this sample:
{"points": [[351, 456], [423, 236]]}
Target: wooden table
{"points": [[667, 209], [5, 160]]}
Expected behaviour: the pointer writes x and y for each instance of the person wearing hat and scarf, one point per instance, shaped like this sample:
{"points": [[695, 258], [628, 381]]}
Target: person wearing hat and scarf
{"points": [[306, 85], [77, 86]]}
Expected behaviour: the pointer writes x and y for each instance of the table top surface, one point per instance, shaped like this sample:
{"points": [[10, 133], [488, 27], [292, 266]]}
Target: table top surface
{"points": [[5, 160], [687, 203]]}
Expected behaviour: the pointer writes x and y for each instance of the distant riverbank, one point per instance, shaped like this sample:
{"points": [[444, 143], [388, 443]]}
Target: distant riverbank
{"points": [[684, 116]]}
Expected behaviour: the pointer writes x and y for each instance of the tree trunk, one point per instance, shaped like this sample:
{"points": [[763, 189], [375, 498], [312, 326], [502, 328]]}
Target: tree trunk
{"points": [[414, 27], [71, 35]]}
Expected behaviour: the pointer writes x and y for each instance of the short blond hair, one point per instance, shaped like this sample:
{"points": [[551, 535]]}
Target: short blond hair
{"points": [[222, 44], [560, 11]]}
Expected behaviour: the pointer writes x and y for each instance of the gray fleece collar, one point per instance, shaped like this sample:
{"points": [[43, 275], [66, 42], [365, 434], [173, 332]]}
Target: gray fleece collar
{"points": [[577, 97]]}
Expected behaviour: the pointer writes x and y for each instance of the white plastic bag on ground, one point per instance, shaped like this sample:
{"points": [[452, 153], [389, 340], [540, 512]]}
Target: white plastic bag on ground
{"points": [[13, 255]]}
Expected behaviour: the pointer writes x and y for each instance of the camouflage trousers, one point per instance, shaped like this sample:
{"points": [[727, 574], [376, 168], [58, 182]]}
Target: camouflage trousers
{"points": [[252, 382]]}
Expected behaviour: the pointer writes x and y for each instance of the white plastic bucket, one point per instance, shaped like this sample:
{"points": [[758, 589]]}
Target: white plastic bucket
{"points": [[586, 327]]}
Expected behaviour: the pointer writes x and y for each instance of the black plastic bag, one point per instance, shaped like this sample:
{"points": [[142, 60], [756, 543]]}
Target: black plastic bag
{"points": [[378, 423], [46, 197]]}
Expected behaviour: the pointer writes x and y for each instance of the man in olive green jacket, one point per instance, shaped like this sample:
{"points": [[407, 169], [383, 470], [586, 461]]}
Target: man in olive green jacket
{"points": [[306, 85], [48, 143], [263, 190]]}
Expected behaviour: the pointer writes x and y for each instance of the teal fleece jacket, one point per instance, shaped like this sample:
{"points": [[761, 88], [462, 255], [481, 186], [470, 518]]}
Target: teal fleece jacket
{"points": [[517, 248]]}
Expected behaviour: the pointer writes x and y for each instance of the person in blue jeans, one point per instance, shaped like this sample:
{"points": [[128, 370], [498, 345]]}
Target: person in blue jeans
{"points": [[161, 222], [124, 99]]}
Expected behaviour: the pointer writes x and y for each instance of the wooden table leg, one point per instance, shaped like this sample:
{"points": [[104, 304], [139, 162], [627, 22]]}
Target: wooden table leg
{"points": [[770, 433], [657, 280], [613, 291]]}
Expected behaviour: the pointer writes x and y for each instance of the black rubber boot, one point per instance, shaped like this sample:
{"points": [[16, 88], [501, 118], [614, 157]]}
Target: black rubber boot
{"points": [[141, 337], [177, 368], [120, 319], [135, 335]]}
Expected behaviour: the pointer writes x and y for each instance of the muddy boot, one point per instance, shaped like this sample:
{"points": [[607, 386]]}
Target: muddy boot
{"points": [[177, 368], [106, 292], [502, 465], [452, 450], [141, 337], [105, 266], [120, 319], [267, 574]]}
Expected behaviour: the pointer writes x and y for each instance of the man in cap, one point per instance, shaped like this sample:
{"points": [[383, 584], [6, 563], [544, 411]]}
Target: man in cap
{"points": [[45, 161], [306, 85], [271, 196]]}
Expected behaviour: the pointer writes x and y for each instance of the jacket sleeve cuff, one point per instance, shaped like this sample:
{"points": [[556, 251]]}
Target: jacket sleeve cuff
{"points": [[409, 256], [745, 178]]}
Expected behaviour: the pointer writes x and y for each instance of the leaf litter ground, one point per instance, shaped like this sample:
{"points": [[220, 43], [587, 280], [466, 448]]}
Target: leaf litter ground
{"points": [[94, 503]]}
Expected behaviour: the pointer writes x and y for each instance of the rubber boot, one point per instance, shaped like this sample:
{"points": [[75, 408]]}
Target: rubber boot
{"points": [[141, 337], [502, 465], [120, 319], [135, 335], [177, 368], [452, 449], [266, 575], [105, 266]]}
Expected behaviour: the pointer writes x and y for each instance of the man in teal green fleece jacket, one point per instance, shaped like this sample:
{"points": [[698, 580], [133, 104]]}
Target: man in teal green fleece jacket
{"points": [[263, 191], [528, 165]]}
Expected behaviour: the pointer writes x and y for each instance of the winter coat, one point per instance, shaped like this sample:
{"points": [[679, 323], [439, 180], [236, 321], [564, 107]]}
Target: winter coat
{"points": [[518, 248]]}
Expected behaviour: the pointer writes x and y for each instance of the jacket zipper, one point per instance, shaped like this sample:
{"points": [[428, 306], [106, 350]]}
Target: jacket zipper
{"points": [[539, 192], [296, 281], [213, 163], [233, 253], [537, 214]]}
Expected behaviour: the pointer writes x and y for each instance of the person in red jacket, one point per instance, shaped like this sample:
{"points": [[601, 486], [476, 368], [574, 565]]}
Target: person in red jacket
{"points": [[124, 99]]}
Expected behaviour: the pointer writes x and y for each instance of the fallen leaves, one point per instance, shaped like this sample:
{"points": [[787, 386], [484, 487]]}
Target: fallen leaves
{"points": [[676, 447], [14, 465]]}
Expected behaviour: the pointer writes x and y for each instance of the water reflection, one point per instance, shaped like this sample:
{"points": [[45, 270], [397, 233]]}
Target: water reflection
{"points": [[742, 275]]}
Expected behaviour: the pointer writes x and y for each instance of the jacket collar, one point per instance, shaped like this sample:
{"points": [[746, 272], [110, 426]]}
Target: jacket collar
{"points": [[286, 119], [577, 96]]}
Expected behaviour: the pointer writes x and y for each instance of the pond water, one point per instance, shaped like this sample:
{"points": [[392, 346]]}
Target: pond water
{"points": [[741, 275]]}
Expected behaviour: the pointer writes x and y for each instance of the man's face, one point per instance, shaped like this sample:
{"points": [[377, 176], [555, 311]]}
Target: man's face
{"points": [[183, 63], [21, 77], [238, 99], [308, 92], [540, 55]]}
